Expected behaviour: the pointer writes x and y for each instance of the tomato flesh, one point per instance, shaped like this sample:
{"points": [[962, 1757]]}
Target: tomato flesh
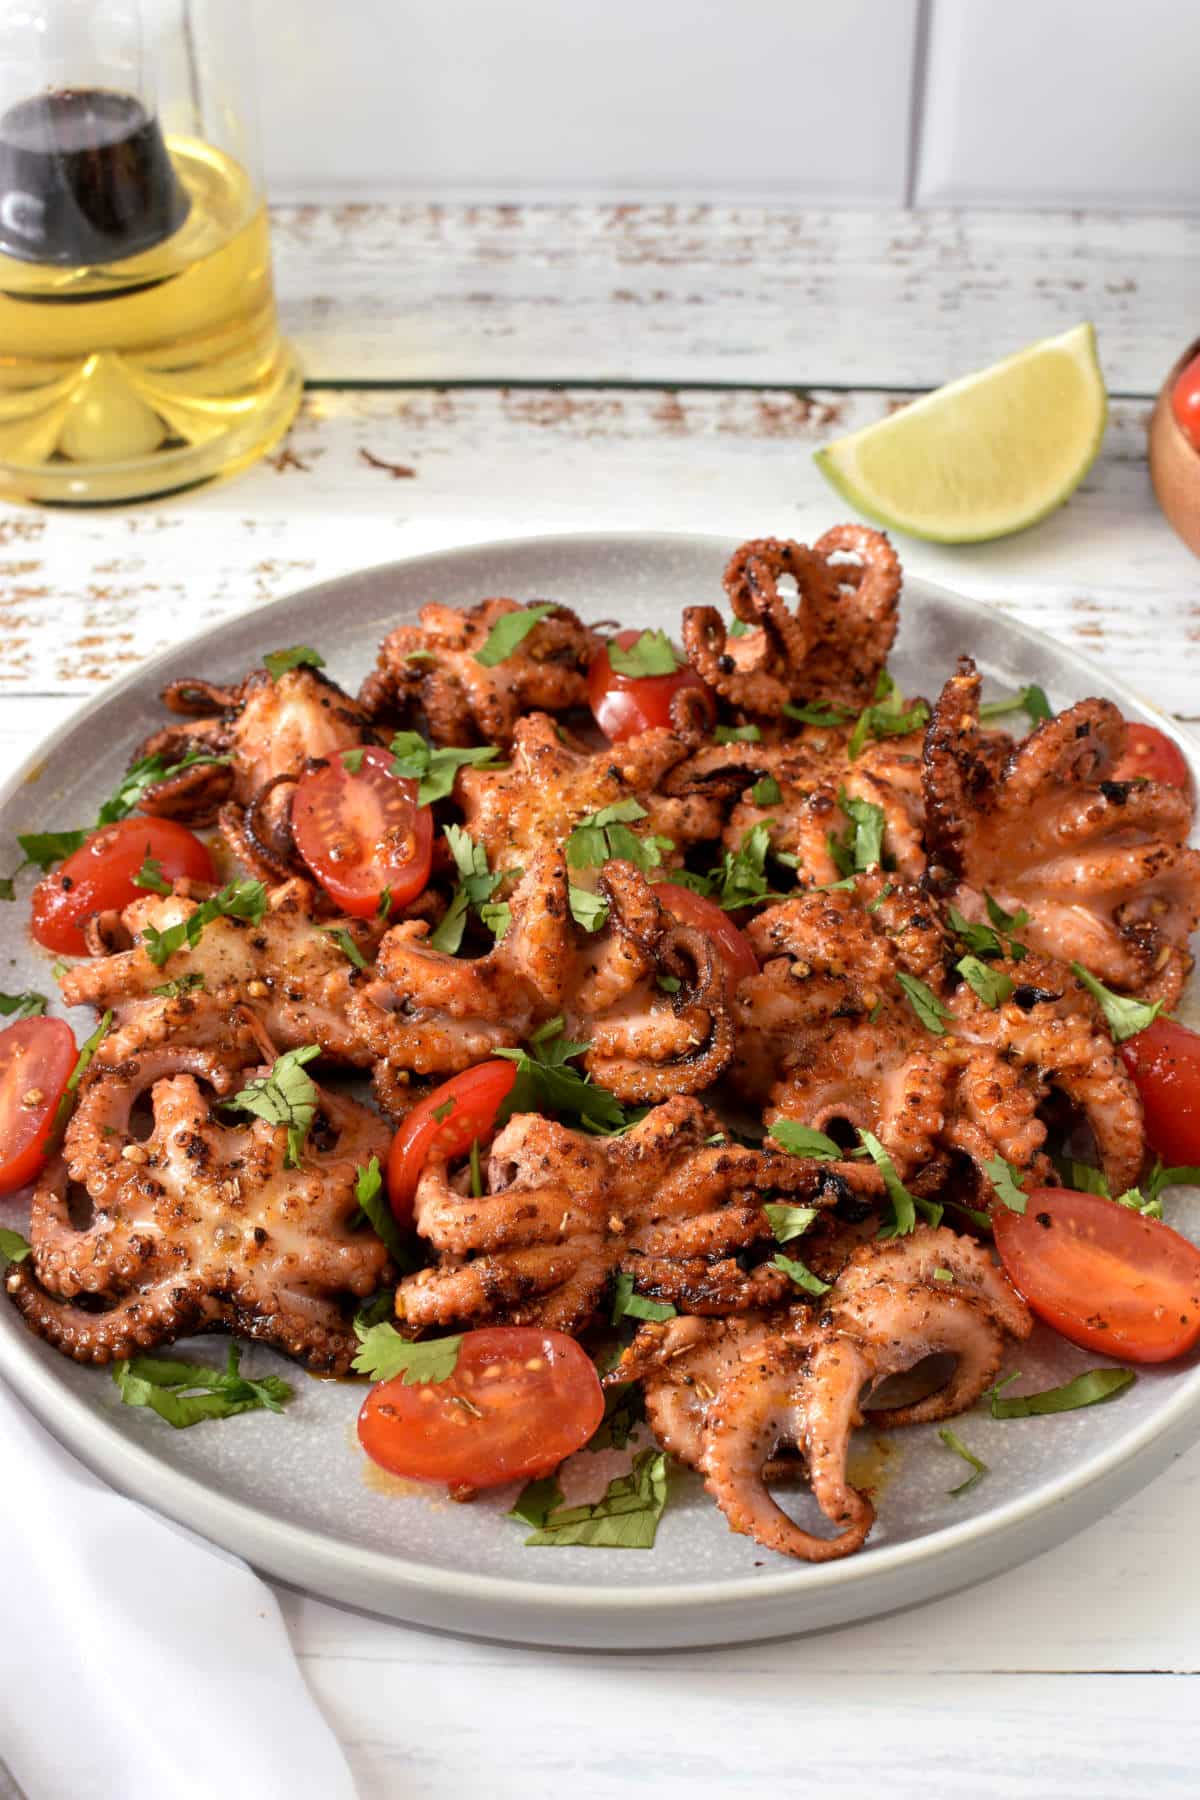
{"points": [[37, 1057], [1185, 402], [1103, 1275], [1151, 755], [98, 877], [1164, 1061], [623, 705], [731, 944], [520, 1399], [473, 1099], [361, 831]]}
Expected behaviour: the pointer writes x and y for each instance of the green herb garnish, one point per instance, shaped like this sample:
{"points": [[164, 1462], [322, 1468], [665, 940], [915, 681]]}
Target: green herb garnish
{"points": [[237, 900], [953, 1442], [184, 1393], [605, 834], [23, 1006], [1124, 1017], [300, 656], [924, 1003], [287, 1096], [1088, 1389], [800, 1274], [434, 769], [1031, 700], [993, 986], [626, 1518], [631, 1305], [803, 1140], [652, 653], [383, 1354], [510, 631]]}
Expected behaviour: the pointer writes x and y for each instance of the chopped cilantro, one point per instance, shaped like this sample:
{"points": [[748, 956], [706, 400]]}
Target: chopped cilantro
{"points": [[238, 900], [1007, 1182], [788, 1222], [766, 792], [44, 848], [287, 1096], [953, 1442], [863, 846], [23, 1006], [536, 1501], [651, 654], [475, 887], [924, 1003], [374, 1210], [1124, 1017], [905, 1206], [625, 1518], [510, 631], [630, 1305], [546, 1083], [300, 656], [434, 769], [352, 760], [87, 1050], [800, 1274], [383, 1354], [180, 985], [13, 1247], [1031, 700], [606, 834], [815, 714], [993, 986], [346, 944], [385, 904], [737, 734], [803, 1140], [184, 1393], [587, 909], [886, 716], [150, 875], [1088, 1389]]}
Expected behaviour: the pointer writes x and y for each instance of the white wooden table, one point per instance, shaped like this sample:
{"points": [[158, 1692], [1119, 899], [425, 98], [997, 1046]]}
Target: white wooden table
{"points": [[494, 371]]}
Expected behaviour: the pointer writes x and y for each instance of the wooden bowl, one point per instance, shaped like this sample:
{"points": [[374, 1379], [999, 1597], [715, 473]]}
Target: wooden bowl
{"points": [[1174, 464]]}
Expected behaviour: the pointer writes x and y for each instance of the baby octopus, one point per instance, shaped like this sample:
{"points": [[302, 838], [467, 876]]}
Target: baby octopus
{"points": [[201, 1222], [1100, 866], [832, 647], [671, 1203], [432, 671], [727, 1396]]}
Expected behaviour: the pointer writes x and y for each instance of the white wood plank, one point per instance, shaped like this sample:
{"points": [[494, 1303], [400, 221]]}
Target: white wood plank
{"points": [[83, 596], [535, 95], [1060, 103], [536, 1727], [435, 291]]}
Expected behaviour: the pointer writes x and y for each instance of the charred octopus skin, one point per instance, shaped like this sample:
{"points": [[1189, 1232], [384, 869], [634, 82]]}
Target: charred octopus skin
{"points": [[431, 672], [201, 1223], [564, 1212], [729, 1396], [1102, 867]]}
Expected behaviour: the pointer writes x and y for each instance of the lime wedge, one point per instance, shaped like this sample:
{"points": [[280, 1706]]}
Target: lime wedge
{"points": [[983, 456]]}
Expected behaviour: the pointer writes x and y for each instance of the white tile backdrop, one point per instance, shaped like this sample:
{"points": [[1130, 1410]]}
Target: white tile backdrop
{"points": [[839, 102]]}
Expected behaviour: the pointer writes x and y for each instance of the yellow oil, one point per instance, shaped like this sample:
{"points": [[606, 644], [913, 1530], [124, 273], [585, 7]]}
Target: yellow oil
{"points": [[148, 374]]}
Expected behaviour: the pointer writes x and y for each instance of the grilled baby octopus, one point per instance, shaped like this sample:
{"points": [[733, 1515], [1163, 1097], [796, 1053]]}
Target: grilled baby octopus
{"points": [[201, 1223], [727, 1396], [562, 1212], [432, 671], [832, 647], [1100, 866]]}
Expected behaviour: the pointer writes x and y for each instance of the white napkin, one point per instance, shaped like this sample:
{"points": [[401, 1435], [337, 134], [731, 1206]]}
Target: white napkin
{"points": [[135, 1660]]}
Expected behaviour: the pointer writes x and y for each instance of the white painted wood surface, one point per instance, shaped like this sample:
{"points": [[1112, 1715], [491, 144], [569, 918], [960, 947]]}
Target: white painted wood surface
{"points": [[1073, 1677]]}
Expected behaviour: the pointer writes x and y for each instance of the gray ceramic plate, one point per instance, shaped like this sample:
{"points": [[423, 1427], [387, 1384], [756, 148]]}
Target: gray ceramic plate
{"points": [[294, 1495]]}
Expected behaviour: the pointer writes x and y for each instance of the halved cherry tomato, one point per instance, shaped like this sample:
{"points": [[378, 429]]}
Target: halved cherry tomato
{"points": [[448, 1121], [360, 830], [36, 1060], [1185, 402], [1164, 1061], [99, 877], [520, 1399], [623, 705], [1103, 1275], [731, 944], [1152, 755]]}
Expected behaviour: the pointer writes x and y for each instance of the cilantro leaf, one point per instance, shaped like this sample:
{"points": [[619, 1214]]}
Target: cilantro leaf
{"points": [[1182, 1175], [788, 1222], [800, 1274], [625, 1518], [287, 1096], [352, 760], [45, 848], [803, 1140], [375, 1210], [536, 1501], [545, 1083], [587, 909], [1124, 1017], [1136, 1201], [953, 1442], [738, 628], [346, 945], [905, 1206], [1088, 1389], [886, 716], [1082, 1177], [300, 656], [87, 1050], [237, 900], [992, 985], [629, 1304], [815, 714], [150, 875], [623, 1411], [1007, 1182], [497, 916], [651, 654], [737, 734], [13, 1247], [510, 631], [766, 792], [475, 888], [434, 769], [866, 844], [981, 940], [384, 1354], [184, 1393], [740, 879], [1031, 700], [23, 1006], [146, 773], [924, 1003], [606, 834], [180, 985]]}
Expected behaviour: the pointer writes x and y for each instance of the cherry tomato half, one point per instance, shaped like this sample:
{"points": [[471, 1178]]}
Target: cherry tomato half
{"points": [[1103, 1275], [1185, 402], [36, 1060], [520, 1399], [623, 705], [360, 830], [1152, 755], [473, 1099], [1164, 1061], [99, 877], [731, 945]]}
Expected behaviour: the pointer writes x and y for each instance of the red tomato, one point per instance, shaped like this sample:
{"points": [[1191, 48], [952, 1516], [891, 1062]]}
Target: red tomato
{"points": [[474, 1099], [1185, 402], [1164, 1061], [1151, 755], [361, 831], [99, 876], [731, 945], [1102, 1274], [520, 1399], [36, 1059], [623, 705]]}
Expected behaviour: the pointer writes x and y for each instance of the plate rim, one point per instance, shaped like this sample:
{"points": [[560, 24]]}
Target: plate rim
{"points": [[297, 1552]]}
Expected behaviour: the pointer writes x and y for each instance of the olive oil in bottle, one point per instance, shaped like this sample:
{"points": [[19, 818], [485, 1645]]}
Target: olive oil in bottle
{"points": [[139, 348]]}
